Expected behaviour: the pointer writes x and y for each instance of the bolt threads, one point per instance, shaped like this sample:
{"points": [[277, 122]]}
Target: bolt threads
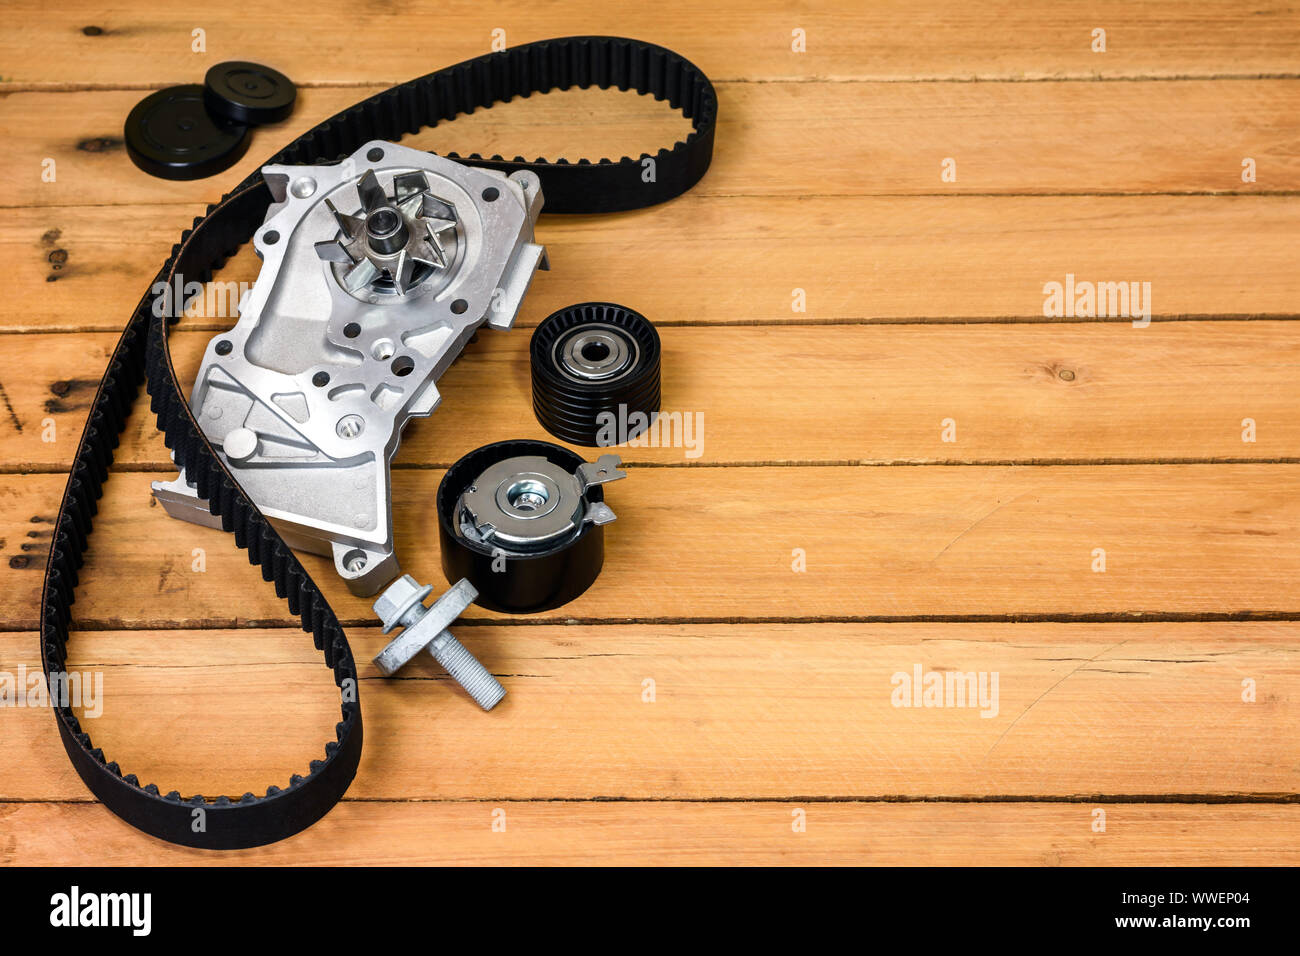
{"points": [[467, 671]]}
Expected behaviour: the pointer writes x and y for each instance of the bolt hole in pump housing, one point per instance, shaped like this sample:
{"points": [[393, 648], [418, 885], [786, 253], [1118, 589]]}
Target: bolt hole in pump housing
{"points": [[376, 271]]}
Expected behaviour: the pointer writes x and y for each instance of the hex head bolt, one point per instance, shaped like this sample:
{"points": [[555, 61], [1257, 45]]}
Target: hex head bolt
{"points": [[402, 605]]}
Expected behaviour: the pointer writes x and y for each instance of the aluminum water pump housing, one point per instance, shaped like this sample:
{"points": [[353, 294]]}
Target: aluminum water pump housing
{"points": [[376, 271]]}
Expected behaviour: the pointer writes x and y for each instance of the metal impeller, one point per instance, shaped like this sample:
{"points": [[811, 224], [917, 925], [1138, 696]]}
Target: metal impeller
{"points": [[392, 244]]}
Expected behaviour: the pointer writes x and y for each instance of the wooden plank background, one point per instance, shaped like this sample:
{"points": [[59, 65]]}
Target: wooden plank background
{"points": [[1159, 691]]}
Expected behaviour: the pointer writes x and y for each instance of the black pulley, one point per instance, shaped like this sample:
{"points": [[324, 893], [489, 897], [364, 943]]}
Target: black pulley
{"points": [[248, 93], [523, 521], [595, 373], [170, 134]]}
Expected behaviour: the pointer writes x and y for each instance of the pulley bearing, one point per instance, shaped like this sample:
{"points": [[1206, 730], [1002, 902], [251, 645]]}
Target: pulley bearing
{"points": [[595, 373], [523, 522]]}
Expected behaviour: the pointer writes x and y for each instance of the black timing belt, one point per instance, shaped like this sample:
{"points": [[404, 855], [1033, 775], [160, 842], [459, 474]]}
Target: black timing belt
{"points": [[142, 354]]}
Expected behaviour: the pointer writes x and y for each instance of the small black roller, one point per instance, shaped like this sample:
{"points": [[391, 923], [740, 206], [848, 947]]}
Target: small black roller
{"points": [[595, 373], [248, 93], [517, 583], [170, 134]]}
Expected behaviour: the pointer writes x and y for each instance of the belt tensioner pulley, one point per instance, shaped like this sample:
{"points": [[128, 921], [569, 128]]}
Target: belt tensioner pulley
{"points": [[524, 521]]}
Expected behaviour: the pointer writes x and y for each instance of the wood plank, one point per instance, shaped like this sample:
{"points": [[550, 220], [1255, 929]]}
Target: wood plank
{"points": [[890, 39], [849, 139], [693, 834], [859, 259], [838, 393], [775, 712], [708, 543]]}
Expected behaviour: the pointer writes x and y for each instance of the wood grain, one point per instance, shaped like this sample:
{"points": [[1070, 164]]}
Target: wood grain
{"points": [[720, 544], [695, 834], [886, 40], [1100, 712], [856, 260], [1024, 393]]}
